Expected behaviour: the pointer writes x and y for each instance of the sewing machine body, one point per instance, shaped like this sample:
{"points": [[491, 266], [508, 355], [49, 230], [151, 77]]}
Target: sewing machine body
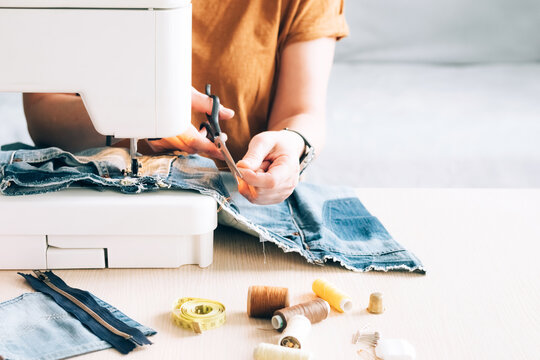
{"points": [[130, 61], [131, 66], [81, 228]]}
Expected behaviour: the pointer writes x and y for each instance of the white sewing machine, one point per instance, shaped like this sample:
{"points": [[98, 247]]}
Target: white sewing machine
{"points": [[130, 60]]}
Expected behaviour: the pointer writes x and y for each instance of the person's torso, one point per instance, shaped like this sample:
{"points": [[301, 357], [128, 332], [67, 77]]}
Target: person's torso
{"points": [[235, 46]]}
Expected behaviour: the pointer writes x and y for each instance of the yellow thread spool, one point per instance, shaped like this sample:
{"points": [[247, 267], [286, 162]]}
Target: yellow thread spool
{"points": [[335, 297]]}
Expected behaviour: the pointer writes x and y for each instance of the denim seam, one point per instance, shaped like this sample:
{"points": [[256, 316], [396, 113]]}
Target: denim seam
{"points": [[48, 157], [352, 253], [79, 177], [75, 178], [42, 158], [67, 183], [14, 300], [53, 155], [300, 231]]}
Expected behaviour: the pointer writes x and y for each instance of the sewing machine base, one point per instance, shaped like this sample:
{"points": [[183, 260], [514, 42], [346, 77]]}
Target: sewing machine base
{"points": [[82, 228]]}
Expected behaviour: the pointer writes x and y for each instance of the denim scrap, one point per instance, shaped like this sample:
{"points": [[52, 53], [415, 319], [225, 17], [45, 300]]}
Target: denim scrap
{"points": [[320, 223], [44, 282], [34, 327]]}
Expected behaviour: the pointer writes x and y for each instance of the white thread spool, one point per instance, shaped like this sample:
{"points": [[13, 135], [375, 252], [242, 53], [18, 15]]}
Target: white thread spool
{"points": [[274, 352], [296, 332]]}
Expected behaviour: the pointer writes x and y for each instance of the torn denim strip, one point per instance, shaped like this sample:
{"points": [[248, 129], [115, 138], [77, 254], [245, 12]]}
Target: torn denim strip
{"points": [[320, 223]]}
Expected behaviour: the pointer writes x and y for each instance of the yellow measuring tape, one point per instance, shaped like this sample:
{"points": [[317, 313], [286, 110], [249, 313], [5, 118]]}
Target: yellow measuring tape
{"points": [[198, 314]]}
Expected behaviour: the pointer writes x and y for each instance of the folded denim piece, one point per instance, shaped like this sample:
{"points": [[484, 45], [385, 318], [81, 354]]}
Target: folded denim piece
{"points": [[34, 327], [81, 304], [319, 222]]}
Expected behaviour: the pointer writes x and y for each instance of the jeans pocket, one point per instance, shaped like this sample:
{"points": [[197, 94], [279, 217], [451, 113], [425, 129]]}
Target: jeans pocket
{"points": [[350, 229]]}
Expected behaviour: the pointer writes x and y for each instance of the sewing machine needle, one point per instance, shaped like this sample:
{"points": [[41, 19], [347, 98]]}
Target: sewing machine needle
{"points": [[133, 154]]}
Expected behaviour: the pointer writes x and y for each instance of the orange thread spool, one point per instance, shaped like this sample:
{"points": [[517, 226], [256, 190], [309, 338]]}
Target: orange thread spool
{"points": [[262, 301], [315, 310]]}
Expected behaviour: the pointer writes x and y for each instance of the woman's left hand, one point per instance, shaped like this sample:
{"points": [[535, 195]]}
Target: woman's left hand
{"points": [[271, 166]]}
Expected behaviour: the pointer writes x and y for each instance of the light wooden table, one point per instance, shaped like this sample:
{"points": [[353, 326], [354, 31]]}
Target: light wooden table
{"points": [[479, 300]]}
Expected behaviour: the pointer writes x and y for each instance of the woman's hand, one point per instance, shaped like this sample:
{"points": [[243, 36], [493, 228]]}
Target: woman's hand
{"points": [[192, 140], [271, 166]]}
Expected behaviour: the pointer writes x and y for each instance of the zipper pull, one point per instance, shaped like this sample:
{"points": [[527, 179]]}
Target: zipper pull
{"points": [[41, 276], [134, 341]]}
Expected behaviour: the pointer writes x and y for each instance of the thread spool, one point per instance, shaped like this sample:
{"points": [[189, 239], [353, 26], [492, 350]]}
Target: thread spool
{"points": [[262, 301], [265, 351], [335, 297], [296, 333], [315, 310]]}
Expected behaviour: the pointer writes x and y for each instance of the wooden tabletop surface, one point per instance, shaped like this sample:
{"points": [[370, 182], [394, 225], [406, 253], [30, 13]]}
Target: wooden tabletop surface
{"points": [[479, 300]]}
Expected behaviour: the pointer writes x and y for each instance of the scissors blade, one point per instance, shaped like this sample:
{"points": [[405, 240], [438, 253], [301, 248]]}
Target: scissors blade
{"points": [[227, 155]]}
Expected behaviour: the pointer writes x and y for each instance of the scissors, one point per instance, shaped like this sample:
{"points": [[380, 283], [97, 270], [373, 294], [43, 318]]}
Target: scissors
{"points": [[215, 135]]}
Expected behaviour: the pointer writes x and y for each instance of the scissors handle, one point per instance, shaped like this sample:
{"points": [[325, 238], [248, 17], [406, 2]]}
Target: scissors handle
{"points": [[212, 126]]}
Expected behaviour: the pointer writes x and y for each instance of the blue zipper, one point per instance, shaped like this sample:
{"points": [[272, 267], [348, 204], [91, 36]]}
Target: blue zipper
{"points": [[82, 305]]}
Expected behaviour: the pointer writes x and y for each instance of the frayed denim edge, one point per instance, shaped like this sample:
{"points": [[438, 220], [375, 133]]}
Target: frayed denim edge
{"points": [[418, 268], [264, 236]]}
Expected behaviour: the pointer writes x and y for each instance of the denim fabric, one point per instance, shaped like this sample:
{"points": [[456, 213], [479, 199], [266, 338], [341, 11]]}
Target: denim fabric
{"points": [[321, 223], [42, 284], [34, 327], [24, 172]]}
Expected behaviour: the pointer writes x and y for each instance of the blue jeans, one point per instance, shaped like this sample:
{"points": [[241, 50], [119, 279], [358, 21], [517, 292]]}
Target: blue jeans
{"points": [[320, 223], [34, 327]]}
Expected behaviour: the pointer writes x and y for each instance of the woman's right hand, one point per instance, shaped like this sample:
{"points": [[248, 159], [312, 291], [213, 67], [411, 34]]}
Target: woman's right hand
{"points": [[192, 140]]}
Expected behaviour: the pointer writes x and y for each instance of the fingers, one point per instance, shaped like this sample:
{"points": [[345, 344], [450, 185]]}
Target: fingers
{"points": [[281, 170], [270, 169], [244, 188], [258, 179], [223, 136], [203, 103], [259, 148], [264, 166], [191, 141], [198, 143], [272, 186]]}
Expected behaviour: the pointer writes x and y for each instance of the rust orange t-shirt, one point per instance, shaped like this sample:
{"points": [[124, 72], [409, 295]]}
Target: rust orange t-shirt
{"points": [[236, 48]]}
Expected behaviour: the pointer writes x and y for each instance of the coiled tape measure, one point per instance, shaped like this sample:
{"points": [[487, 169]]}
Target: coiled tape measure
{"points": [[198, 314]]}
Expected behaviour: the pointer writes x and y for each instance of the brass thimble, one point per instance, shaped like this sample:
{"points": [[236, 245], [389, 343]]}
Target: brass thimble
{"points": [[375, 303]]}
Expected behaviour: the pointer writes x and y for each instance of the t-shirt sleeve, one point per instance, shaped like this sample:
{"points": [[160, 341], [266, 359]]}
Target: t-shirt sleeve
{"points": [[314, 19]]}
